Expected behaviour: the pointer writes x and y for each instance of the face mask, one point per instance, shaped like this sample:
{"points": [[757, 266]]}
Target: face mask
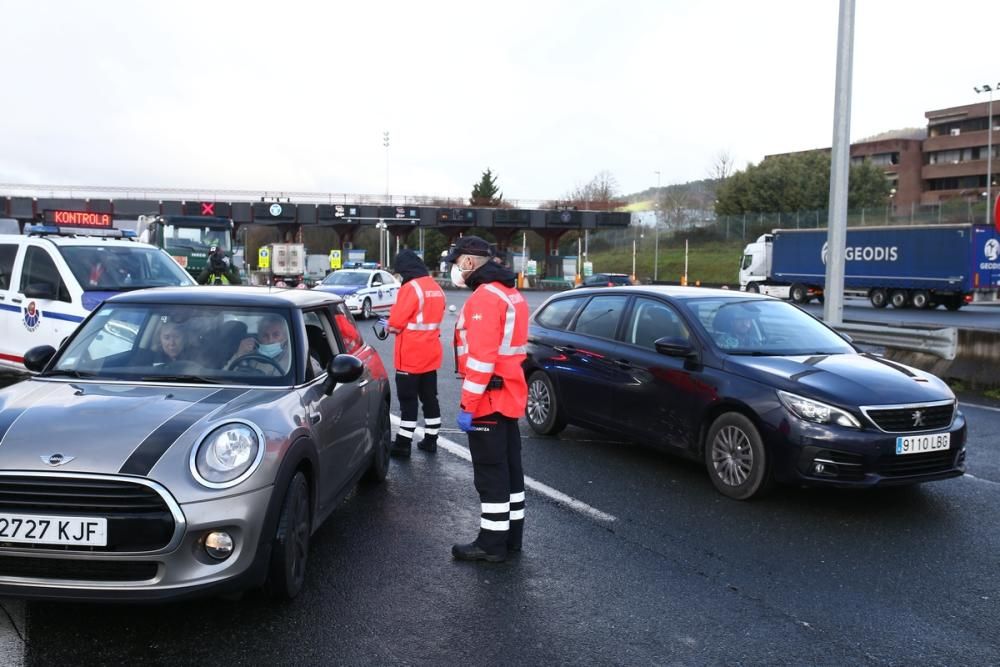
{"points": [[456, 276], [270, 350]]}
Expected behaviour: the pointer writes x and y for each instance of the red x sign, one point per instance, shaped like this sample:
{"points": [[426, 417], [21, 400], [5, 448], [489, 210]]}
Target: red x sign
{"points": [[208, 208]]}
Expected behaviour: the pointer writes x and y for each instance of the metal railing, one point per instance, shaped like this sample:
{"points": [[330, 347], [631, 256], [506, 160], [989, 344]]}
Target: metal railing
{"points": [[939, 342]]}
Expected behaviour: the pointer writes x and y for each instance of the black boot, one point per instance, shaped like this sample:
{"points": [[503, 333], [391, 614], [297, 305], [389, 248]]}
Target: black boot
{"points": [[429, 445], [401, 448], [473, 551]]}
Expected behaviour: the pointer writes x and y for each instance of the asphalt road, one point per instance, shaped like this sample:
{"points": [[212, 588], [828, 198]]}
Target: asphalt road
{"points": [[670, 572]]}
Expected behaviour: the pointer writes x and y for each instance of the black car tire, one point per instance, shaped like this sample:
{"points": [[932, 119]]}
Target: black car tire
{"points": [[290, 550], [544, 414], [799, 293], [899, 298], [366, 309], [748, 473], [379, 468], [753, 288], [921, 299], [879, 298], [953, 303]]}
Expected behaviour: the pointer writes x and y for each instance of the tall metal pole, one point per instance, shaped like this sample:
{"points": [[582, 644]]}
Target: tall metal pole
{"points": [[385, 142], [833, 306], [656, 230], [989, 155]]}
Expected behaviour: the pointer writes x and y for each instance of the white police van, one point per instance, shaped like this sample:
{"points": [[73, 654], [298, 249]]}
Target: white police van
{"points": [[52, 277]]}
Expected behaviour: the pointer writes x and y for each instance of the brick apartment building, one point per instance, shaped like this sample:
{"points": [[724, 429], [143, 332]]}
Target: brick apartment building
{"points": [[954, 151], [948, 163]]}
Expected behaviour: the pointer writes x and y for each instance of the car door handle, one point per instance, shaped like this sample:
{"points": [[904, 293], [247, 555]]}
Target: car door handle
{"points": [[624, 363], [363, 383], [16, 300], [314, 418], [566, 349]]}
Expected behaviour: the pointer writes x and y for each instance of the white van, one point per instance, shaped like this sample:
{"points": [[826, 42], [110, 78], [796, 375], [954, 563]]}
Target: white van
{"points": [[50, 280]]}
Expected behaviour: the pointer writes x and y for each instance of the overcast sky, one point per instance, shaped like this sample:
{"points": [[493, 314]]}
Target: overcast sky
{"points": [[295, 95]]}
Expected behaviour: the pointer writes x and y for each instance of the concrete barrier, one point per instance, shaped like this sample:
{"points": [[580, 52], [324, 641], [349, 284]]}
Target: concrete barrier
{"points": [[976, 362]]}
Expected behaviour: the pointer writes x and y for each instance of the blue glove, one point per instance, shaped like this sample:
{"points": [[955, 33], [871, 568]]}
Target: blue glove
{"points": [[464, 421], [383, 322]]}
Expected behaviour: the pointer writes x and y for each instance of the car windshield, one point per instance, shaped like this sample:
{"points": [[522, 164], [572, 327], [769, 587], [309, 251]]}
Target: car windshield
{"points": [[195, 238], [178, 343], [346, 278], [764, 326], [123, 267]]}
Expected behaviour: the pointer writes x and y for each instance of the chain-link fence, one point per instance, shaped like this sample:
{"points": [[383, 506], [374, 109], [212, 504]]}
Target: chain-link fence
{"points": [[708, 249]]}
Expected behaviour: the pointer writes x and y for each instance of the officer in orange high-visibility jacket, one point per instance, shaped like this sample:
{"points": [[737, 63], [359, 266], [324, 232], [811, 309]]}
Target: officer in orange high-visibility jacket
{"points": [[490, 341], [416, 320]]}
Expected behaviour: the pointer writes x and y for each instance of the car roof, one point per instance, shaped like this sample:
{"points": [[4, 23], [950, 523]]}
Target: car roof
{"points": [[673, 291], [82, 240], [218, 295]]}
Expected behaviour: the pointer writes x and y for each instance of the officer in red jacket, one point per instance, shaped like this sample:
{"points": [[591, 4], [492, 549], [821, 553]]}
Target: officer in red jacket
{"points": [[490, 342], [416, 320]]}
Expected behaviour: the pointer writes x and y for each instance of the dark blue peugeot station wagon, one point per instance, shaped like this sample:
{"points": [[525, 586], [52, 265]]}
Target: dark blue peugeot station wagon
{"points": [[755, 387]]}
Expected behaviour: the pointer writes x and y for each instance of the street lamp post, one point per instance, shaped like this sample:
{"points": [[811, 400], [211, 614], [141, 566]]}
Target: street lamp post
{"points": [[656, 230], [989, 144], [385, 142]]}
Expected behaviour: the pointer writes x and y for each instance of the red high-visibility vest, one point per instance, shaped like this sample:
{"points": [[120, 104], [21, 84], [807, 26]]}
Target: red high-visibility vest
{"points": [[491, 340], [417, 316]]}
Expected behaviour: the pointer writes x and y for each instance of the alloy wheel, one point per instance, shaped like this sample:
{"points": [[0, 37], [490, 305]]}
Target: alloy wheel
{"points": [[539, 402], [732, 455]]}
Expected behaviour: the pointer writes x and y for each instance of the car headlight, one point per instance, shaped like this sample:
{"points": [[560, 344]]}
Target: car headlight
{"points": [[814, 411], [227, 455]]}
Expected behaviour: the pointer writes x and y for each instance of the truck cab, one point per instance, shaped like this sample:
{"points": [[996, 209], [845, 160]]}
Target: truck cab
{"points": [[187, 238], [755, 268]]}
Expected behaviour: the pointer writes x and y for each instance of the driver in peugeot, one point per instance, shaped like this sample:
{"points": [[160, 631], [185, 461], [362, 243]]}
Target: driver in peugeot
{"points": [[267, 352]]}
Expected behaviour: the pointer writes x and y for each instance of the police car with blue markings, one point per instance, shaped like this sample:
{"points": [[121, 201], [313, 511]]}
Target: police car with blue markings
{"points": [[53, 276], [367, 292]]}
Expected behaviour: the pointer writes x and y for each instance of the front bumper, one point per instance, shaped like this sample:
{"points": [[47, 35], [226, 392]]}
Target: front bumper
{"points": [[184, 569], [857, 458]]}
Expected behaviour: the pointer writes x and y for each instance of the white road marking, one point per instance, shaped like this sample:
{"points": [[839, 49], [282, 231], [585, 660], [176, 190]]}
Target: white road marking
{"points": [[980, 479], [529, 482], [979, 407]]}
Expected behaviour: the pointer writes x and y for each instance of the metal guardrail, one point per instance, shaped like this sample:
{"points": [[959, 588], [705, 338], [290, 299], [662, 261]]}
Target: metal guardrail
{"points": [[940, 342]]}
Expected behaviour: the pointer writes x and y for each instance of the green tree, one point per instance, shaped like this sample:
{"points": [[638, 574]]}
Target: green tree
{"points": [[799, 182], [486, 192]]}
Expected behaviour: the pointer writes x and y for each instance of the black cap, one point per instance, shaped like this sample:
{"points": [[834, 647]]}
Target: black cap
{"points": [[469, 245]]}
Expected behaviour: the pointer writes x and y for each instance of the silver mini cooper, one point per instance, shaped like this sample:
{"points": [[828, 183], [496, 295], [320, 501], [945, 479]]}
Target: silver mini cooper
{"points": [[186, 441]]}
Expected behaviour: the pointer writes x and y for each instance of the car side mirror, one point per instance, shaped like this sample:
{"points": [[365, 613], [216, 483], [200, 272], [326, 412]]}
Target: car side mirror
{"points": [[37, 358], [342, 369], [674, 347], [39, 291]]}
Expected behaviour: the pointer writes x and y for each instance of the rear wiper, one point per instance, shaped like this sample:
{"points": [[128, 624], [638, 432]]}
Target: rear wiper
{"points": [[65, 372], [196, 379]]}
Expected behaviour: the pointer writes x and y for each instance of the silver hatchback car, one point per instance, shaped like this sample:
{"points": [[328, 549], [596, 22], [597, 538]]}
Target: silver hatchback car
{"points": [[186, 441]]}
